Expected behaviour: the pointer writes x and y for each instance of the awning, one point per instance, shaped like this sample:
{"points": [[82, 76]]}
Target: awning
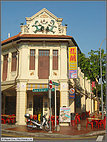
{"points": [[40, 86], [7, 86]]}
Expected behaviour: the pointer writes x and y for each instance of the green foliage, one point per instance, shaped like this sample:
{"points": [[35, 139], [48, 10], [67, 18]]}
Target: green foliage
{"points": [[90, 66]]}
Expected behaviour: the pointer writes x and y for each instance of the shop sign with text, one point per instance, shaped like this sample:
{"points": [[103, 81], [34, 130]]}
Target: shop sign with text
{"points": [[72, 62], [65, 114]]}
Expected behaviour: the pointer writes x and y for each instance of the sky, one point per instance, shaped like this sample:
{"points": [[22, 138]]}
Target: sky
{"points": [[86, 20]]}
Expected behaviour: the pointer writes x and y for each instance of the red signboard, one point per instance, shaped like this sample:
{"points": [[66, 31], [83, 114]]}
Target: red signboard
{"points": [[50, 84]]}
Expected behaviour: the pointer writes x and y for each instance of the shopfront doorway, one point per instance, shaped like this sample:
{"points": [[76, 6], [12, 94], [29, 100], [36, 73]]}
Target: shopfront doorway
{"points": [[37, 104], [10, 105]]}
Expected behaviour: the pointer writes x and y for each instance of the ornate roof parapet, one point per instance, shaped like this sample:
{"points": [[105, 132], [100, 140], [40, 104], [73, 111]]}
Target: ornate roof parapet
{"points": [[44, 22]]}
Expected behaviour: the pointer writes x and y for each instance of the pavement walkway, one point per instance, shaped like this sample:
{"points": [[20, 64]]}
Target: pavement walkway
{"points": [[65, 131]]}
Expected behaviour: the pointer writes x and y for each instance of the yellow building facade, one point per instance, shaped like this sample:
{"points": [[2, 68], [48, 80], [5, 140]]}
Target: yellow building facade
{"points": [[39, 53]]}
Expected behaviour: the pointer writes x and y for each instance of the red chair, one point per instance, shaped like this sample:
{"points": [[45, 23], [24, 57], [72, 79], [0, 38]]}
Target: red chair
{"points": [[3, 121], [102, 122], [77, 118], [57, 120], [89, 122], [52, 120], [88, 113], [8, 120], [95, 122], [13, 119]]}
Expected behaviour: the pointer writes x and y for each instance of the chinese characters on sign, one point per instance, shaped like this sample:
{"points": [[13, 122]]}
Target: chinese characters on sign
{"points": [[72, 62], [65, 114]]}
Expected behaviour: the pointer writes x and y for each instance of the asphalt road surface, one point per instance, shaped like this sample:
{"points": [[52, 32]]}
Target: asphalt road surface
{"points": [[44, 139]]}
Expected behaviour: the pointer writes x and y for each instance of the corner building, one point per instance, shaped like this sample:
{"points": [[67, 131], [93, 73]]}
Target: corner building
{"points": [[37, 54]]}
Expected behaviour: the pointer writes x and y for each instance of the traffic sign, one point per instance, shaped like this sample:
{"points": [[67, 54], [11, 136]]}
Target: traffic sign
{"points": [[72, 93], [50, 84], [55, 83], [42, 90]]}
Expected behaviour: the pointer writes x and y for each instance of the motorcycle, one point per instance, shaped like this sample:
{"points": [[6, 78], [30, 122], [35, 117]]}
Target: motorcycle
{"points": [[31, 123]]}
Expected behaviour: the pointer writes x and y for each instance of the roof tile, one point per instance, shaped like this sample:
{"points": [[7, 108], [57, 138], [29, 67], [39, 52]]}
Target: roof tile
{"points": [[34, 35]]}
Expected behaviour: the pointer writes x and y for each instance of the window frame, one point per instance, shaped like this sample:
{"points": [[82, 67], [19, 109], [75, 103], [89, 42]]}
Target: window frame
{"points": [[55, 60], [32, 59]]}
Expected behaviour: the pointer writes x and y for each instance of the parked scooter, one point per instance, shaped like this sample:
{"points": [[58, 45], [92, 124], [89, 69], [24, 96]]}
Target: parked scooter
{"points": [[31, 123]]}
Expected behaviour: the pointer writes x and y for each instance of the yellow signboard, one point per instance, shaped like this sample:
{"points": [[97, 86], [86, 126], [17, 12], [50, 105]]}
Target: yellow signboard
{"points": [[72, 62]]}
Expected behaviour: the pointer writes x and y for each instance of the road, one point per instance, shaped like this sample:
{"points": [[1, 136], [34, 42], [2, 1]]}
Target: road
{"points": [[68, 139]]}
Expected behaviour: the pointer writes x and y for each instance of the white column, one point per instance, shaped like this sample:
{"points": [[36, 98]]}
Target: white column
{"points": [[23, 63], [63, 62], [64, 99], [21, 103], [83, 103]]}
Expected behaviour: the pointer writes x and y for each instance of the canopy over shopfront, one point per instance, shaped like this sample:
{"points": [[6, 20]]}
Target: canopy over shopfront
{"points": [[7, 86]]}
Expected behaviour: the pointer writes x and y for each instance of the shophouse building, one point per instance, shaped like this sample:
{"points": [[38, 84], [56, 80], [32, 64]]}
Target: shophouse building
{"points": [[39, 53]]}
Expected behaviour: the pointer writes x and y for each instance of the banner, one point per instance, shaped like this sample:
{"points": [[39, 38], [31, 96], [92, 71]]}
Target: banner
{"points": [[65, 114], [72, 62]]}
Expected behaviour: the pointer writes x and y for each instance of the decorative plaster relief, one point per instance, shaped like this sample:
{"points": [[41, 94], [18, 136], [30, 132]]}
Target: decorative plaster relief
{"points": [[43, 22], [32, 73], [63, 86]]}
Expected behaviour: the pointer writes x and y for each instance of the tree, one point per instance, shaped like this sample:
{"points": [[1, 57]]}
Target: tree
{"points": [[90, 66]]}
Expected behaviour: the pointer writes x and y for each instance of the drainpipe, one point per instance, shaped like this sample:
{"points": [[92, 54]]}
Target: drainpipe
{"points": [[17, 64]]}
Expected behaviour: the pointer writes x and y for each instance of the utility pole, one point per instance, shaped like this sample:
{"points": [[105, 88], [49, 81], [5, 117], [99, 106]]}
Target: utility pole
{"points": [[50, 87], [101, 84], [50, 108], [55, 108]]}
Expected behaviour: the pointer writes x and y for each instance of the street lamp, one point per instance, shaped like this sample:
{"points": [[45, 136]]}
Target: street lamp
{"points": [[101, 79]]}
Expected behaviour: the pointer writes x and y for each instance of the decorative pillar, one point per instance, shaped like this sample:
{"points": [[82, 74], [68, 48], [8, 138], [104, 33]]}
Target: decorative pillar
{"points": [[21, 103], [23, 63], [64, 95], [63, 62], [64, 99]]}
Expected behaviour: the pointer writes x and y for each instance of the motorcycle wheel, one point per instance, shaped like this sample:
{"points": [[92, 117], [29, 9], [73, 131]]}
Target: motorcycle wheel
{"points": [[46, 127], [30, 128]]}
